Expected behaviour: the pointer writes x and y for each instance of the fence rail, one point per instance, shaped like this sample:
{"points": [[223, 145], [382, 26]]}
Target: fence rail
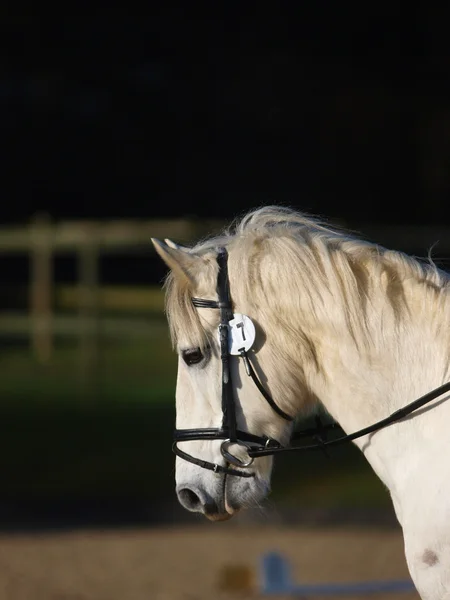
{"points": [[18, 325], [104, 235], [107, 236], [88, 240], [43, 239]]}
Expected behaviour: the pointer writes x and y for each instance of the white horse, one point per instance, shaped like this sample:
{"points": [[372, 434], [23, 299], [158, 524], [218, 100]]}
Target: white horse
{"points": [[341, 323]]}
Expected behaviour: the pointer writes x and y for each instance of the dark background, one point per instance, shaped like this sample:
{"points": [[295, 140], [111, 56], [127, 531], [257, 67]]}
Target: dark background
{"points": [[204, 111], [214, 109]]}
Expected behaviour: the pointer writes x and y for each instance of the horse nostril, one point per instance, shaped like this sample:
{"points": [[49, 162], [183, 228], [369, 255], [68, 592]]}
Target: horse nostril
{"points": [[189, 499]]}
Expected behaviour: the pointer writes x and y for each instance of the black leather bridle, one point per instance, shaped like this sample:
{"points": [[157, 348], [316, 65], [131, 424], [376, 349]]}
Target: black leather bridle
{"points": [[261, 445]]}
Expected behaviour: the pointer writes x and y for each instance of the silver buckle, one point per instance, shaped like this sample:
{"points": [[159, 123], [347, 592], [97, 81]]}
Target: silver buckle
{"points": [[237, 462]]}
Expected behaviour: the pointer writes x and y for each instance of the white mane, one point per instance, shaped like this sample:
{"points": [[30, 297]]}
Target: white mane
{"points": [[286, 264]]}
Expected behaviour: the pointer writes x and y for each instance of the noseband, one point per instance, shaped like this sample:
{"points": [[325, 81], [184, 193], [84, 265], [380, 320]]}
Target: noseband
{"points": [[260, 445]]}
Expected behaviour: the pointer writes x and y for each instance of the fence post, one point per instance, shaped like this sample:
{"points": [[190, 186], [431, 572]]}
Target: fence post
{"points": [[40, 294], [88, 282]]}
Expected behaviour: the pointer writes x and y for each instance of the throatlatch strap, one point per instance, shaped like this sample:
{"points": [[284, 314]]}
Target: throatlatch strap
{"points": [[251, 372]]}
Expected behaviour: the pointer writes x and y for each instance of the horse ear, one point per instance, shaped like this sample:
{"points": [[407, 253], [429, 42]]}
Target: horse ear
{"points": [[175, 246], [178, 259]]}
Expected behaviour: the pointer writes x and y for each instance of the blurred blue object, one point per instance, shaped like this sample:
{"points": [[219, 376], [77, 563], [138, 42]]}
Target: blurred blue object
{"points": [[276, 578]]}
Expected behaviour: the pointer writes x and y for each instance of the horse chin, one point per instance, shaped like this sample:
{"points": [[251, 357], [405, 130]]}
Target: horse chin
{"points": [[230, 511], [218, 516]]}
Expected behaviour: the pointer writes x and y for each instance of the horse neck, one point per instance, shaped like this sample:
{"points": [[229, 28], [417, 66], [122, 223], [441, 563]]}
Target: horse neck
{"points": [[400, 354]]}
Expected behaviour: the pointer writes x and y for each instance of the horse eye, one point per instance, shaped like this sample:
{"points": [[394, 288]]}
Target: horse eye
{"points": [[192, 356]]}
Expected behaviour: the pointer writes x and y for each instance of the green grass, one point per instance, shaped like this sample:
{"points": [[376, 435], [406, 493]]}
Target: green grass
{"points": [[126, 370], [62, 437]]}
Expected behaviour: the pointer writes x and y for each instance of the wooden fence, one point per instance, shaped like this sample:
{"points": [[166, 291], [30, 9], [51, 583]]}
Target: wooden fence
{"points": [[88, 240], [43, 239]]}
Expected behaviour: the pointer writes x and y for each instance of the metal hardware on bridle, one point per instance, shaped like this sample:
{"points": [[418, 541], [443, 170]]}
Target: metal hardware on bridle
{"points": [[261, 445], [229, 432]]}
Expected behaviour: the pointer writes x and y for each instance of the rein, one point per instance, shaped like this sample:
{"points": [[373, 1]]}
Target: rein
{"points": [[255, 445], [318, 431]]}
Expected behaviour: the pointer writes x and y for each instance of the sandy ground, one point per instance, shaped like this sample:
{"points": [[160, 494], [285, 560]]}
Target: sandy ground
{"points": [[190, 563]]}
